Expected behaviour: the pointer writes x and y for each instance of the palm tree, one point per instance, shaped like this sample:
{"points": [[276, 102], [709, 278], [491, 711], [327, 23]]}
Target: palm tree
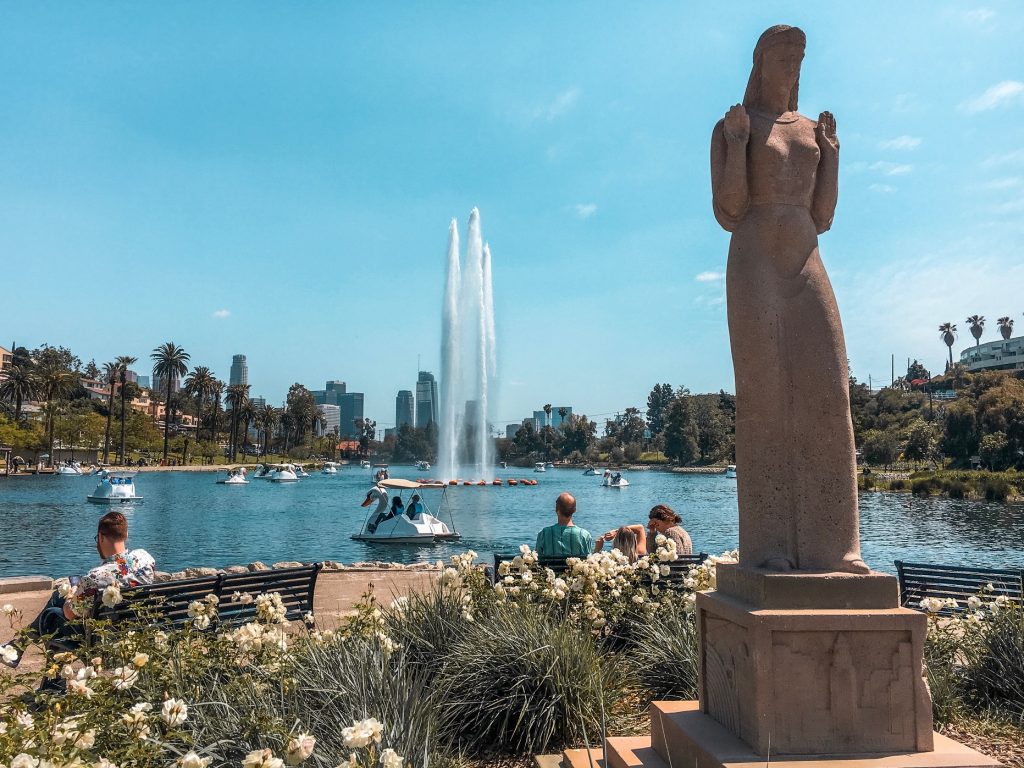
{"points": [[170, 362], [948, 331], [55, 382], [246, 416], [110, 373], [1005, 327], [267, 418], [216, 390], [977, 326], [237, 396], [122, 374], [199, 385], [19, 384]]}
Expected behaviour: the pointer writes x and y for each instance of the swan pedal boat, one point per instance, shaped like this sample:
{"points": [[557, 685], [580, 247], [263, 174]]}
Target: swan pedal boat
{"points": [[422, 528], [114, 488]]}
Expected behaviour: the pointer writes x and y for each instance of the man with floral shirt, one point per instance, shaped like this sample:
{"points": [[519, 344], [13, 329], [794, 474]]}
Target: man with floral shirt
{"points": [[74, 599]]}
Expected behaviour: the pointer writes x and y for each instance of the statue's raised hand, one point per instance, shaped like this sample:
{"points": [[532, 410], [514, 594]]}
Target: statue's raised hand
{"points": [[737, 125], [825, 133]]}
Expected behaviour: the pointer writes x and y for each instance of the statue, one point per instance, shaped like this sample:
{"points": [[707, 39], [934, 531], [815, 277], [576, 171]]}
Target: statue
{"points": [[775, 182]]}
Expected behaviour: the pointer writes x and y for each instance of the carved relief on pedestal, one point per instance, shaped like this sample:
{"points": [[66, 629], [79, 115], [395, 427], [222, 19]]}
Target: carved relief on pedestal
{"points": [[728, 674]]}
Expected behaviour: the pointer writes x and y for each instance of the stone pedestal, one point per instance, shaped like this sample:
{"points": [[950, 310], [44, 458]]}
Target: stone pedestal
{"points": [[814, 663], [800, 670]]}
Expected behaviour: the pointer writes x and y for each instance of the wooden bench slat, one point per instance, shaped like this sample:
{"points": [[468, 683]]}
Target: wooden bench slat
{"points": [[921, 580]]}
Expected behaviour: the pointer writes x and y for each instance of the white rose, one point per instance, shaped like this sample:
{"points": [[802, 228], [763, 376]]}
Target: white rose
{"points": [[140, 660], [23, 760], [391, 759], [191, 760], [125, 678], [174, 712], [299, 748], [112, 595]]}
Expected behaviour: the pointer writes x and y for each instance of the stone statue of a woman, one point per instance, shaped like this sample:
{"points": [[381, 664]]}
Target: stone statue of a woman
{"points": [[775, 181]]}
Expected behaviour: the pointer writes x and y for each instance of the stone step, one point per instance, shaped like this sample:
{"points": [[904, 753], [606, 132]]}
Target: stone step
{"points": [[633, 752], [25, 584], [682, 736], [592, 757], [547, 761]]}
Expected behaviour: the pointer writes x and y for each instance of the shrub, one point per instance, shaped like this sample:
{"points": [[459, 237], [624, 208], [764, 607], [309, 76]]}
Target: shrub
{"points": [[666, 654], [957, 489], [995, 488], [922, 487], [898, 484], [521, 680], [996, 673]]}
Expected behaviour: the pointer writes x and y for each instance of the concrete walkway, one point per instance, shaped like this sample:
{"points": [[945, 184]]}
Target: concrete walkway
{"points": [[337, 592]]}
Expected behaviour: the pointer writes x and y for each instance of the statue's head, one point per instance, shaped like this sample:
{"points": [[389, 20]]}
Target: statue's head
{"points": [[777, 58]]}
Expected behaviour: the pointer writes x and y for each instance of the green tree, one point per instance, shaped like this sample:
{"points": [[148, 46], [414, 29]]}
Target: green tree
{"points": [[170, 362], [994, 451], [658, 401], [713, 427], [1005, 327], [19, 385], [960, 439], [268, 418], [920, 442], [122, 374], [199, 385], [681, 431], [880, 448], [948, 331], [578, 435], [236, 398], [56, 382], [977, 327], [110, 375]]}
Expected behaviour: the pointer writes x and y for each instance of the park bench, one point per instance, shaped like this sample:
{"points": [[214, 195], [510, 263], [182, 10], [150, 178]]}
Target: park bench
{"points": [[167, 602], [921, 580], [680, 568]]}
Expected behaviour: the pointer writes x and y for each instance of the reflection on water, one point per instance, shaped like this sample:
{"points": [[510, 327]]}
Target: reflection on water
{"points": [[187, 519]]}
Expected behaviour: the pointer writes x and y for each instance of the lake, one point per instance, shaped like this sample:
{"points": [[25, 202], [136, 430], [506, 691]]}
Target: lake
{"points": [[186, 519]]}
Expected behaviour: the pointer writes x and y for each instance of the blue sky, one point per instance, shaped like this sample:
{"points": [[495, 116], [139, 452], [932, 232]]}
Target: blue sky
{"points": [[277, 180]]}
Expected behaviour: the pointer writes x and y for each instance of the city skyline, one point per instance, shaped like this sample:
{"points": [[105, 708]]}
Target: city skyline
{"points": [[583, 138]]}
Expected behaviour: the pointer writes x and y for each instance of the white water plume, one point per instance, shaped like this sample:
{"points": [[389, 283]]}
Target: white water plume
{"points": [[468, 359]]}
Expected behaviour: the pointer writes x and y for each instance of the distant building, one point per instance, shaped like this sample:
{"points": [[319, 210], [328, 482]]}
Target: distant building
{"points": [[511, 429], [532, 423], [160, 384], [6, 358], [390, 432], [426, 400], [258, 402], [142, 381], [351, 404], [541, 418], [405, 408], [332, 418], [239, 371], [556, 417], [1002, 355], [330, 394]]}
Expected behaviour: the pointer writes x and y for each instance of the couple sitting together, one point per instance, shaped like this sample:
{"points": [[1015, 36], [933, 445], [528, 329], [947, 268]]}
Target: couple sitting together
{"points": [[566, 539]]}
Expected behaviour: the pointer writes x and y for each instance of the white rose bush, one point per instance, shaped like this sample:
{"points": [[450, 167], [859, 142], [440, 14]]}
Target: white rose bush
{"points": [[533, 662]]}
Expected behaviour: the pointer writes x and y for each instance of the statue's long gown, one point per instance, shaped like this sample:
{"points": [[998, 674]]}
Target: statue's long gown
{"points": [[795, 451]]}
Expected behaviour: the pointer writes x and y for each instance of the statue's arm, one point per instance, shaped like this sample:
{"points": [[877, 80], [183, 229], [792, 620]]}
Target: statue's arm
{"points": [[729, 192], [826, 184]]}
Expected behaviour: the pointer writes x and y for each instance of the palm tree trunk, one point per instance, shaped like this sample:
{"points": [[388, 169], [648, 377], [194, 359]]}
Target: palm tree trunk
{"points": [[950, 356], [121, 454], [167, 416], [199, 418], [107, 432]]}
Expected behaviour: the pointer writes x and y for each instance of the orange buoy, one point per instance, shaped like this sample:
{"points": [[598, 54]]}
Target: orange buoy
{"points": [[466, 482], [512, 482], [482, 482], [453, 482], [496, 482]]}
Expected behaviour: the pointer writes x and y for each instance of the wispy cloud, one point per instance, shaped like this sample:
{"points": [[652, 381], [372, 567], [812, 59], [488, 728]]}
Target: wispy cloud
{"points": [[997, 185], [1016, 157], [978, 15], [891, 169], [220, 314], [999, 95], [585, 210], [885, 189], [901, 143], [561, 105], [709, 277]]}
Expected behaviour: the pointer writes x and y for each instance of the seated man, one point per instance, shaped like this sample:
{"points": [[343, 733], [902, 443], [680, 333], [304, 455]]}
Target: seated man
{"points": [[59, 617], [564, 539]]}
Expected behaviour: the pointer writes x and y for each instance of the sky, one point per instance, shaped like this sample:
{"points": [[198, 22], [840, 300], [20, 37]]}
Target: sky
{"points": [[277, 180]]}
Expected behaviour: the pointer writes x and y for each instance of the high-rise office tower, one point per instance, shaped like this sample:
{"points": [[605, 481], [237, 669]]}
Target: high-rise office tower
{"points": [[426, 400], [239, 370], [404, 408]]}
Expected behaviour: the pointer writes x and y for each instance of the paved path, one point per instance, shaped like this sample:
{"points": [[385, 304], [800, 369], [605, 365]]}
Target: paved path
{"points": [[337, 592]]}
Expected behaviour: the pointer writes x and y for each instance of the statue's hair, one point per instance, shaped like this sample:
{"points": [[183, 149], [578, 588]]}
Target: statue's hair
{"points": [[780, 33]]}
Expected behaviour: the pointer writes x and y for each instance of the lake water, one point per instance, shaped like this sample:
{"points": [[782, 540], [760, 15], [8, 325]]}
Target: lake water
{"points": [[187, 519]]}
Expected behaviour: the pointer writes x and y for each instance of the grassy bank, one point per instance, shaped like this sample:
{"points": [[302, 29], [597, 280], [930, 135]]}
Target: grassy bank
{"points": [[954, 484]]}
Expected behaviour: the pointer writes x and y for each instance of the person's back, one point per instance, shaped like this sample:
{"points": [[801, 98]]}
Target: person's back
{"points": [[564, 538]]}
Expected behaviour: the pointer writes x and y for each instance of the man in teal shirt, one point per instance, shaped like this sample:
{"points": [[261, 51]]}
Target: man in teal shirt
{"points": [[564, 539]]}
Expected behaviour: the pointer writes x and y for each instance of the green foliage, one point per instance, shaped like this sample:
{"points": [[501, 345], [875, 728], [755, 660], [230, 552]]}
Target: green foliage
{"points": [[665, 654], [995, 676], [681, 433], [880, 447]]}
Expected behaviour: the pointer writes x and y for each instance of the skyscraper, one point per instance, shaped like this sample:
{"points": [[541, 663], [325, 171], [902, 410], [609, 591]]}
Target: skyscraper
{"points": [[351, 404], [426, 400], [404, 408], [160, 384], [330, 394], [239, 370]]}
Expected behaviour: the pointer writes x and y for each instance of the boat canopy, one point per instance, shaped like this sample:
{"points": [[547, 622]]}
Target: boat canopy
{"points": [[407, 484]]}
